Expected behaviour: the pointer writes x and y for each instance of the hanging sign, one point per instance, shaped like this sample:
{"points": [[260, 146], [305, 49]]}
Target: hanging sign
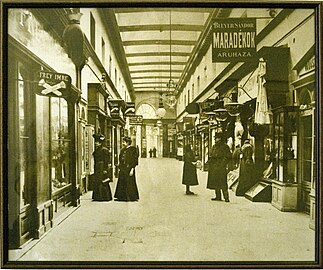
{"points": [[116, 108], [135, 120], [53, 84], [130, 109], [234, 39], [207, 105]]}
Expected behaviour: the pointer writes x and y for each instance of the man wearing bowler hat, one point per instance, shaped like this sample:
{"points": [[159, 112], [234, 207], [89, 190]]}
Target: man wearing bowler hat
{"points": [[220, 156]]}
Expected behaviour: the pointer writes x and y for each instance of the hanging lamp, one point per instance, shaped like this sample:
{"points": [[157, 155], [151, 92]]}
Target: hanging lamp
{"points": [[170, 96]]}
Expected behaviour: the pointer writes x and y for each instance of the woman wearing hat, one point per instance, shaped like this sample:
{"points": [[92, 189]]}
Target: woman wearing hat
{"points": [[247, 169], [189, 177], [126, 189], [101, 187]]}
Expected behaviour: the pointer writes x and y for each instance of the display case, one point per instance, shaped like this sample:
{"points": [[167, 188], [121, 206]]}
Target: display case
{"points": [[284, 158]]}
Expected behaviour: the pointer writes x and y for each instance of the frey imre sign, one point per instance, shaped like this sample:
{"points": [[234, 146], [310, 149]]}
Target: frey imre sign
{"points": [[234, 39], [53, 84]]}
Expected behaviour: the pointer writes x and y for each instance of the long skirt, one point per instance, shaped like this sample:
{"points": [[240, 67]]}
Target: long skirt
{"points": [[101, 190], [126, 189], [246, 177], [189, 174]]}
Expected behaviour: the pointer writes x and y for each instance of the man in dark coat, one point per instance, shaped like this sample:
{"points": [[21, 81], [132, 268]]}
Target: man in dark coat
{"points": [[101, 187], [189, 170], [126, 189], [220, 156]]}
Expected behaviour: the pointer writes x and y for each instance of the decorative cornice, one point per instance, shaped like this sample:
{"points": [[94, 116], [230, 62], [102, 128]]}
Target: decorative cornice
{"points": [[111, 27]]}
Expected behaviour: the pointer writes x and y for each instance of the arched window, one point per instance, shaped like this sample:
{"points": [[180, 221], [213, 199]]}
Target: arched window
{"points": [[305, 97], [147, 111]]}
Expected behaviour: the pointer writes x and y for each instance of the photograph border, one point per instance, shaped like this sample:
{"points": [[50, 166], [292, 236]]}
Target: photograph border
{"points": [[5, 263]]}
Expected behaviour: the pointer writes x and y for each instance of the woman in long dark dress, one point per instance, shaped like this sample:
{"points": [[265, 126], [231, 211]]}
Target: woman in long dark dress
{"points": [[220, 156], [189, 170], [247, 170], [126, 189], [101, 187]]}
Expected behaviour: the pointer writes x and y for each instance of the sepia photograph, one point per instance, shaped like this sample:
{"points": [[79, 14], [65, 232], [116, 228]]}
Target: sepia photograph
{"points": [[161, 134]]}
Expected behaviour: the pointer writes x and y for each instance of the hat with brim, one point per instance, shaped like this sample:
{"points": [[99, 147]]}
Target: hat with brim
{"points": [[218, 135], [98, 137], [127, 139]]}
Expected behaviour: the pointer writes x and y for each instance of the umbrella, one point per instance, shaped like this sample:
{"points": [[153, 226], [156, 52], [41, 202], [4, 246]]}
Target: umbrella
{"points": [[262, 110]]}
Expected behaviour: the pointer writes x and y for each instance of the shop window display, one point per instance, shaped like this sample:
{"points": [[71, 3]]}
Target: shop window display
{"points": [[59, 144], [22, 142], [285, 144]]}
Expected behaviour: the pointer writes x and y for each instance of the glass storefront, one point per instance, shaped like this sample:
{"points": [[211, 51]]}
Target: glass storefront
{"points": [[59, 153]]}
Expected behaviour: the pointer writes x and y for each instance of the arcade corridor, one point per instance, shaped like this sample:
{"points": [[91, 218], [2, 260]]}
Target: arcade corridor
{"points": [[167, 225]]}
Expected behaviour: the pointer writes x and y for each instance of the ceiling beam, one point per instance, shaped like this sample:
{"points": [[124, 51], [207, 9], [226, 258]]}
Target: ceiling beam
{"points": [[153, 77], [152, 91], [161, 27], [156, 63], [159, 42], [150, 87], [152, 83], [155, 70], [157, 54]]}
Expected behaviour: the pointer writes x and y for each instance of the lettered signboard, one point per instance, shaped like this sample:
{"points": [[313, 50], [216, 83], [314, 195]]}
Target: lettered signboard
{"points": [[234, 39], [53, 84]]}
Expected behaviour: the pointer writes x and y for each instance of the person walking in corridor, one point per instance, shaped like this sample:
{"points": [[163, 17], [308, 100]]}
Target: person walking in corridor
{"points": [[189, 170], [126, 189], [220, 156], [247, 176], [154, 152], [101, 187], [236, 155]]}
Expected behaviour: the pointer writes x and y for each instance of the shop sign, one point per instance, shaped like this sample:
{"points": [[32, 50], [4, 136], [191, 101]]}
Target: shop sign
{"points": [[207, 105], [130, 109], [135, 120], [179, 126], [116, 107], [234, 39], [187, 120], [171, 131], [309, 66], [53, 84], [189, 126], [202, 127]]}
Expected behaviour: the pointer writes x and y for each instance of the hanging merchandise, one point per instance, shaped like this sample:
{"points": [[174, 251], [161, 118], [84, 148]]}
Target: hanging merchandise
{"points": [[262, 110]]}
